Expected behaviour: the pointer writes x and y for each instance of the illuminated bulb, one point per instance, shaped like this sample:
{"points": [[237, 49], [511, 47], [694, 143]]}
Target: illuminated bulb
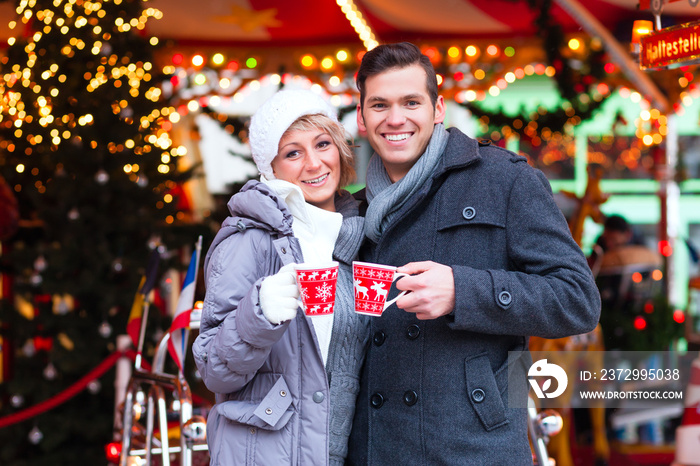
{"points": [[574, 44], [358, 23], [197, 60], [342, 55], [218, 59], [307, 61]]}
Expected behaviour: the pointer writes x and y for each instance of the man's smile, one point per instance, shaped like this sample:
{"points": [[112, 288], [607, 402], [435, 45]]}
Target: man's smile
{"points": [[397, 137]]}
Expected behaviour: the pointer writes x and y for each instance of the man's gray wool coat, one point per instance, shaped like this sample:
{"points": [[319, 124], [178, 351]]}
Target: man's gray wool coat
{"points": [[435, 392]]}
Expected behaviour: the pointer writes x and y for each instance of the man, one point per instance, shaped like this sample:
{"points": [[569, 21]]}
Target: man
{"points": [[492, 262], [621, 248], [617, 257]]}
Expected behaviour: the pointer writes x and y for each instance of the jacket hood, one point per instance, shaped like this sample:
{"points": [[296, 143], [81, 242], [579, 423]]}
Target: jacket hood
{"points": [[257, 206], [254, 206]]}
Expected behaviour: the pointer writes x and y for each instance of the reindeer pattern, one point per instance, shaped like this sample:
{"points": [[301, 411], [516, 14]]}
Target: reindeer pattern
{"points": [[380, 292], [360, 291]]}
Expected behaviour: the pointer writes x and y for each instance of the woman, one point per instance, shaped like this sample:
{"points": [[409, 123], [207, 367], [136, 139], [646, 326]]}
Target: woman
{"points": [[285, 384]]}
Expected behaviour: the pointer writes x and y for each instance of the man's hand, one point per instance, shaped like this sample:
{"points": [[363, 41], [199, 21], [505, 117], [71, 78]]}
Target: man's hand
{"points": [[432, 289]]}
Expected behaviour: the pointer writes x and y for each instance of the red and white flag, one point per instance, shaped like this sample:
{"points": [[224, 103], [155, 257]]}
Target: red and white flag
{"points": [[180, 327]]}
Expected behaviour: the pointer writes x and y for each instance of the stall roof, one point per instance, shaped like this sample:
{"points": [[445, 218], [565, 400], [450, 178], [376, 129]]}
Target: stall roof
{"points": [[312, 22]]}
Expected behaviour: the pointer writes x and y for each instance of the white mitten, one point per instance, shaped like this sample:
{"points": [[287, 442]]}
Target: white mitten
{"points": [[278, 295]]}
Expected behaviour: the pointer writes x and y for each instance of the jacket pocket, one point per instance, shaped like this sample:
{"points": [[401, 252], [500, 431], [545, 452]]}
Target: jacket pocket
{"points": [[483, 392], [272, 413], [253, 431], [471, 233], [470, 213]]}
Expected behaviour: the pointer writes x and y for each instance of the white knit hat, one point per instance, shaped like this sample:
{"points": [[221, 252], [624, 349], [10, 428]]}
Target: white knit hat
{"points": [[274, 117]]}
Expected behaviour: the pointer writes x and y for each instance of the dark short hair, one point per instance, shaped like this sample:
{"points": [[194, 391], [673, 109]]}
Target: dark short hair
{"points": [[391, 56], [616, 223]]}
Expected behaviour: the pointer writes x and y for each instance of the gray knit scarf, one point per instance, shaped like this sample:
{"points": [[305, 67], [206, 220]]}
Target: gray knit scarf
{"points": [[386, 198], [350, 334]]}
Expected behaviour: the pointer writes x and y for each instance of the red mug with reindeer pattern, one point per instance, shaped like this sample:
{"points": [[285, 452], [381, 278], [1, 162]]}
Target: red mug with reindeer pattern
{"points": [[317, 287], [372, 283]]}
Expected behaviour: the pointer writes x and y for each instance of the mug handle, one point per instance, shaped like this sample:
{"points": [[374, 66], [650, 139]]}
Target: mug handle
{"points": [[397, 275]]}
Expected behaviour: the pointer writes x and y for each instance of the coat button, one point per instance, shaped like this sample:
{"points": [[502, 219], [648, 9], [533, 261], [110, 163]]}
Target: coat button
{"points": [[413, 331], [469, 213], [504, 298], [478, 395], [376, 400], [410, 397], [318, 397], [379, 338]]}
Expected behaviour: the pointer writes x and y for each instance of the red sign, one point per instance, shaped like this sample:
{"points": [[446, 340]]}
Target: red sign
{"points": [[677, 44]]}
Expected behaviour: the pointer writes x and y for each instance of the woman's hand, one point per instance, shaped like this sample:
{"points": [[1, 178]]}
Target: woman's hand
{"points": [[278, 295]]}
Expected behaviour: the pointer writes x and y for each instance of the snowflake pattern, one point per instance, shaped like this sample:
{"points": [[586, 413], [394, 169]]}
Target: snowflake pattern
{"points": [[324, 292], [304, 293], [378, 274]]}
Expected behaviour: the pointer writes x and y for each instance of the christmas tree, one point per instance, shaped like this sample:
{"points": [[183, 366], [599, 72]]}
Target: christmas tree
{"points": [[85, 148]]}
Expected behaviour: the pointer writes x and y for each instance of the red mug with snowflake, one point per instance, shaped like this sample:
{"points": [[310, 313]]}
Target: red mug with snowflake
{"points": [[317, 287], [372, 283]]}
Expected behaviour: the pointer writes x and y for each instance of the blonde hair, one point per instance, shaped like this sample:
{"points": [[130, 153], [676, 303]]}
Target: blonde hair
{"points": [[337, 134]]}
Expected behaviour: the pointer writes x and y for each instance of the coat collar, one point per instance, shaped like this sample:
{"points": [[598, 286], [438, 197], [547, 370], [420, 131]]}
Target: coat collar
{"points": [[461, 151]]}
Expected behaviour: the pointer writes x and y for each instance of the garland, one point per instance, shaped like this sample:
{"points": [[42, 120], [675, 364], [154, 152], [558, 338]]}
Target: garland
{"points": [[574, 78], [68, 393]]}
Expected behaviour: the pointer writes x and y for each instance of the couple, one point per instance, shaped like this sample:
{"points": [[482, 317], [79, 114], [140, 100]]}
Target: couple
{"points": [[491, 261]]}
